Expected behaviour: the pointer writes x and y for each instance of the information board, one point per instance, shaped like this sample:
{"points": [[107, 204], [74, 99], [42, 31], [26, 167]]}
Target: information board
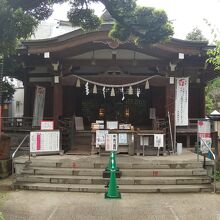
{"points": [[111, 142], [47, 125], [158, 140], [100, 137], [204, 129], [44, 141], [122, 138], [203, 147], [111, 125]]}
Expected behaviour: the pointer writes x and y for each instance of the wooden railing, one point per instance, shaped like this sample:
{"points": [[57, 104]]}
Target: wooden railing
{"points": [[191, 128], [18, 123]]}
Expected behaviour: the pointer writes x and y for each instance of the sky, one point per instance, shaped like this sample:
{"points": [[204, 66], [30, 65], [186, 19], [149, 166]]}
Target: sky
{"points": [[185, 14]]}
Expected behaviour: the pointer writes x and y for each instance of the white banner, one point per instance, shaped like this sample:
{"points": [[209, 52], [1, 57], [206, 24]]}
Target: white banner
{"points": [[181, 102], [38, 106]]}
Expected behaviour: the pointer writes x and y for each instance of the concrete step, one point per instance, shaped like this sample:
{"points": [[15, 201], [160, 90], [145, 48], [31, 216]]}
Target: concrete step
{"points": [[121, 181], [89, 164], [125, 172], [63, 171], [122, 188]]}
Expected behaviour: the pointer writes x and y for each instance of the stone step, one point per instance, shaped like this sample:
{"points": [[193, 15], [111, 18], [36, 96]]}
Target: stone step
{"points": [[121, 181], [125, 172], [122, 188], [147, 165]]}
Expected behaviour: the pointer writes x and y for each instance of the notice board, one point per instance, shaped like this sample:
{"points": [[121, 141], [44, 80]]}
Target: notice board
{"points": [[44, 141]]}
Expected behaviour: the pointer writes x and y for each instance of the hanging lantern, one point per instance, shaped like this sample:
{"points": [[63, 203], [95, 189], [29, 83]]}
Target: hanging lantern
{"points": [[95, 89], [127, 112], [78, 83], [112, 92], [130, 91], [147, 86]]}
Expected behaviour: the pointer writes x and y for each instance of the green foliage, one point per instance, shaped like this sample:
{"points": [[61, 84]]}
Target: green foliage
{"points": [[140, 25], [8, 91], [196, 34], [18, 20], [15, 24], [212, 98], [1, 216], [214, 57], [217, 175]]}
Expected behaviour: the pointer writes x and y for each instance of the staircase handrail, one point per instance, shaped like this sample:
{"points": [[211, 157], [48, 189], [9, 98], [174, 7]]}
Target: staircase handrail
{"points": [[13, 155], [214, 158], [16, 150]]}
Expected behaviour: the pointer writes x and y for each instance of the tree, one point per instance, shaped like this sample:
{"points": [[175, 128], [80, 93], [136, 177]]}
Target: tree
{"points": [[195, 34], [8, 91], [140, 25], [214, 56], [213, 95], [18, 20]]}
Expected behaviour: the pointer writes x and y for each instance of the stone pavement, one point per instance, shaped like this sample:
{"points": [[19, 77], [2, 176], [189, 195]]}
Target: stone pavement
{"points": [[34, 205]]}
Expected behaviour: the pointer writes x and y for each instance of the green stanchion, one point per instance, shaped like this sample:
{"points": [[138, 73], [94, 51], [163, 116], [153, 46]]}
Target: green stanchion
{"points": [[113, 192]]}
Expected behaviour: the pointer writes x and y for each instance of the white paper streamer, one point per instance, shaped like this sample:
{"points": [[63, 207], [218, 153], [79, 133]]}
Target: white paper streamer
{"points": [[103, 91], [87, 88], [138, 92]]}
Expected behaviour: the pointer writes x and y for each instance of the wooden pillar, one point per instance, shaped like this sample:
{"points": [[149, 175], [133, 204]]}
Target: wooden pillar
{"points": [[202, 101], [57, 102], [170, 107], [27, 100]]}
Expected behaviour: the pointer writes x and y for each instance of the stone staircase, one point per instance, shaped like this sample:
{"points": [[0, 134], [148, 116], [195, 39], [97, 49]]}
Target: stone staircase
{"points": [[138, 175]]}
